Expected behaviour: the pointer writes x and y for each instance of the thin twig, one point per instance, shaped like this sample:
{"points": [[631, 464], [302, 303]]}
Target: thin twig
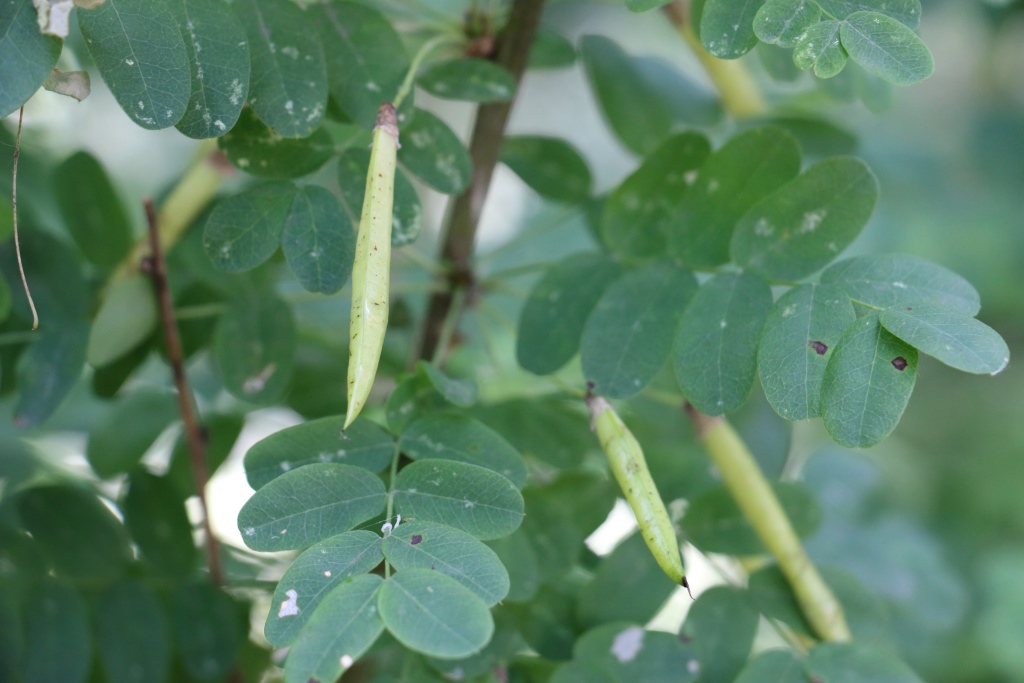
{"points": [[156, 266], [14, 203], [488, 132]]}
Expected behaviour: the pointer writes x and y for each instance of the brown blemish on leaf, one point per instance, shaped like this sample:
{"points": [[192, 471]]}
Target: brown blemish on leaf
{"points": [[900, 363], [416, 538], [819, 347]]}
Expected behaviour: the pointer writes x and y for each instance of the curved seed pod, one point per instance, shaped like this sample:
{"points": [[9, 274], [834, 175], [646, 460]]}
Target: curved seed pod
{"points": [[630, 470], [371, 271]]}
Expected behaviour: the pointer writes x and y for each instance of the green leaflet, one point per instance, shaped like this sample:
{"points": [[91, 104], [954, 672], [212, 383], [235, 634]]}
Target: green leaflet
{"points": [[727, 185], [342, 628], [26, 55], [463, 439], [319, 242], [561, 516], [313, 576], [773, 666], [551, 51], [657, 657], [156, 518], [219, 64], [12, 637], [288, 90], [254, 347], [726, 27], [820, 49], [455, 553], [906, 11], [245, 230], [801, 227], [629, 334], [366, 60], [643, 214], [142, 58], [956, 339], [48, 370], [798, 339], [644, 5], [252, 146], [57, 638], [867, 384], [460, 392], [406, 213], [310, 504], [432, 152], [470, 498], [892, 280], [643, 98], [434, 614], [120, 440], [92, 210], [552, 167], [715, 524], [721, 625], [783, 22], [778, 62], [469, 78], [552, 320], [849, 662], [887, 48], [363, 444], [207, 630], [126, 318], [502, 650], [559, 428], [627, 586], [132, 634], [715, 348], [520, 562], [79, 536]]}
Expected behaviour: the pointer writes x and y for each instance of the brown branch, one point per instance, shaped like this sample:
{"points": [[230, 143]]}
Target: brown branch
{"points": [[156, 267], [513, 52]]}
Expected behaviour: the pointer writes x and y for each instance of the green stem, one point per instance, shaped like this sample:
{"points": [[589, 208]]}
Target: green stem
{"points": [[757, 500], [190, 196], [450, 322], [865, 305], [391, 499], [740, 94], [11, 338], [417, 61]]}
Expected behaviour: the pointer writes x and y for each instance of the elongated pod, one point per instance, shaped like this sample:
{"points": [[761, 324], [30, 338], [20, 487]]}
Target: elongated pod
{"points": [[630, 470], [371, 271]]}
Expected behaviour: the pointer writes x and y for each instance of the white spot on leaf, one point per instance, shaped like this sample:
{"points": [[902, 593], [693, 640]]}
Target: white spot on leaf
{"points": [[628, 643], [289, 607]]}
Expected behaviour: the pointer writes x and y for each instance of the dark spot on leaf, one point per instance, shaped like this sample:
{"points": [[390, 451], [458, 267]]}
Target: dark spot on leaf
{"points": [[416, 538], [819, 347], [910, 308], [900, 363]]}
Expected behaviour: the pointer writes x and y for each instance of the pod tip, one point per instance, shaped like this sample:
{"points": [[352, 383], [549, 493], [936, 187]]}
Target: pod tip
{"points": [[686, 585], [387, 119]]}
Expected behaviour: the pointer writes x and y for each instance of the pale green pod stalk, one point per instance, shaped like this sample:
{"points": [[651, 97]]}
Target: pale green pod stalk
{"points": [[630, 469], [371, 272]]}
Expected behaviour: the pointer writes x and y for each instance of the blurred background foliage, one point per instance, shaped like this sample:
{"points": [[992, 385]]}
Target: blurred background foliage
{"points": [[932, 520]]}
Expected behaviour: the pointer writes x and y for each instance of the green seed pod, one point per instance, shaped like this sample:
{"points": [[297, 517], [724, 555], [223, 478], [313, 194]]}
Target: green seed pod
{"points": [[371, 271], [630, 470]]}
